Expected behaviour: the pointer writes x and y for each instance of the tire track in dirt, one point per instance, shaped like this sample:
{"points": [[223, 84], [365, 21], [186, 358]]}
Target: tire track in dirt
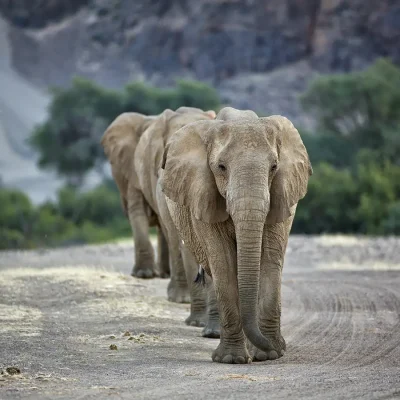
{"points": [[349, 324]]}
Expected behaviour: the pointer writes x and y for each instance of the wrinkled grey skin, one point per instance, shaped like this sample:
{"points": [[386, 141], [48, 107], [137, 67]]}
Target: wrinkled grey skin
{"points": [[232, 186], [203, 303], [134, 145]]}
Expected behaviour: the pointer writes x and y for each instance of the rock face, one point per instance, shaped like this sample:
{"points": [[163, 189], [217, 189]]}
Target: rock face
{"points": [[233, 44]]}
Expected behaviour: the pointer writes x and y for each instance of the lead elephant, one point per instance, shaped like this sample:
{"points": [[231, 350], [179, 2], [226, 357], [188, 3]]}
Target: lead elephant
{"points": [[232, 186]]}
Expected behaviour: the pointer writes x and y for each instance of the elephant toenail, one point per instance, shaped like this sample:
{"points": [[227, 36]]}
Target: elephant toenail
{"points": [[227, 359], [273, 355], [262, 356]]}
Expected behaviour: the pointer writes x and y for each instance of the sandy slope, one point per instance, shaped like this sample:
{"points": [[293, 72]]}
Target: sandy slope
{"points": [[58, 309], [22, 106]]}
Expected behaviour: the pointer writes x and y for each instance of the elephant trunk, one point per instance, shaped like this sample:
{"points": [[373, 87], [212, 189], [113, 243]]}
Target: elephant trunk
{"points": [[249, 211]]}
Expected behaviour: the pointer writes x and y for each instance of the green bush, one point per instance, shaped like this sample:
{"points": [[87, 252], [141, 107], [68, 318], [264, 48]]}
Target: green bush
{"points": [[68, 140], [75, 218], [329, 204], [391, 224], [361, 107], [363, 200], [12, 239], [16, 211]]}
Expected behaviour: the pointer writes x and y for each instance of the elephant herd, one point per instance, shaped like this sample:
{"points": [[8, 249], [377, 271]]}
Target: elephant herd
{"points": [[222, 192]]}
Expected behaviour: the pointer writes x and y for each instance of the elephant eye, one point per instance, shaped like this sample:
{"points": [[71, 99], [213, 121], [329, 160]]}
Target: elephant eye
{"points": [[222, 167], [274, 167]]}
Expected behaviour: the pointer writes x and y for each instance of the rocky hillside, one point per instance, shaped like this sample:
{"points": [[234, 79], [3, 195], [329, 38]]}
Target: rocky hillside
{"points": [[259, 54]]}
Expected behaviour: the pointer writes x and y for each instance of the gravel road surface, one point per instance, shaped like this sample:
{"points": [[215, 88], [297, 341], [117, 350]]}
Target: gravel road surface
{"points": [[62, 309]]}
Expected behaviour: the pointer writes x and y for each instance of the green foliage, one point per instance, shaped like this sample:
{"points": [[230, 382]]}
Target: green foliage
{"points": [[363, 107], [325, 147], [329, 204], [69, 140], [16, 211], [358, 118], [149, 100], [355, 154], [75, 218], [363, 200], [391, 224]]}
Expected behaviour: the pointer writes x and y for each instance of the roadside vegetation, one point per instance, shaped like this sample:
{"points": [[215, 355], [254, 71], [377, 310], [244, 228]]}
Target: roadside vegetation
{"points": [[355, 152]]}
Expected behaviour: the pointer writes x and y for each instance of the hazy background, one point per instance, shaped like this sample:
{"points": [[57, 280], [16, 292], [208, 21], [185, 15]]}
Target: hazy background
{"points": [[318, 62]]}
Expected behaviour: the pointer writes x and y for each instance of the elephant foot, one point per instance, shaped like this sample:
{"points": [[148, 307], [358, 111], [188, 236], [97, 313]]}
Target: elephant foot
{"points": [[279, 344], [231, 354], [195, 319], [164, 271], [143, 272], [212, 330], [178, 293], [163, 275]]}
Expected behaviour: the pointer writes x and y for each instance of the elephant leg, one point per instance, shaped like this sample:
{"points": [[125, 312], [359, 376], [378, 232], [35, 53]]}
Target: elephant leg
{"points": [[222, 260], [144, 253], [178, 290], [198, 294], [162, 254], [212, 328], [274, 248]]}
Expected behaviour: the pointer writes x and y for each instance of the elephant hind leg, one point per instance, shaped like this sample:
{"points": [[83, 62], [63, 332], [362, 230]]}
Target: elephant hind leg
{"points": [[178, 290], [144, 253], [197, 315], [162, 254], [212, 330]]}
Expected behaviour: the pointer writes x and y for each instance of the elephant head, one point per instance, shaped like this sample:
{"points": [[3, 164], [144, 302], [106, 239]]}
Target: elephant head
{"points": [[243, 167]]}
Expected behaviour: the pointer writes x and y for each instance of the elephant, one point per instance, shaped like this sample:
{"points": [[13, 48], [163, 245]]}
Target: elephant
{"points": [[232, 186], [134, 144], [120, 141]]}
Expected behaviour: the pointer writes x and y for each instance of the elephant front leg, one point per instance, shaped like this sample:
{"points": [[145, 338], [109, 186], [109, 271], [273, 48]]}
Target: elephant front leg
{"points": [[232, 348], [274, 248], [270, 315], [144, 266]]}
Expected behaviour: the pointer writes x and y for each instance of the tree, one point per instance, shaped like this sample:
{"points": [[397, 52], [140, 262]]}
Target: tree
{"points": [[69, 140], [361, 107]]}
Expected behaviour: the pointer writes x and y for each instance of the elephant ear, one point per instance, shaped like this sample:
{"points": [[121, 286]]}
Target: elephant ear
{"points": [[120, 140], [294, 168], [187, 178]]}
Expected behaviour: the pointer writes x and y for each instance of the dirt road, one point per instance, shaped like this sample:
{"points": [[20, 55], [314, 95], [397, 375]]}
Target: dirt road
{"points": [[60, 310]]}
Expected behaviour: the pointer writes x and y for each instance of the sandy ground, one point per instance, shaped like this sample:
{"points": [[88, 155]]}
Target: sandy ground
{"points": [[60, 310]]}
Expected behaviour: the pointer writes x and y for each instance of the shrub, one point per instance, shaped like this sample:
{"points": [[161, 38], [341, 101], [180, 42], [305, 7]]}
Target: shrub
{"points": [[363, 107], [329, 204]]}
